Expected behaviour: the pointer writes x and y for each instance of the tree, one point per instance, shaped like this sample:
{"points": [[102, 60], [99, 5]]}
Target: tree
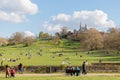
{"points": [[112, 39], [43, 35], [57, 34], [3, 41], [16, 38], [64, 32], [28, 41], [92, 39], [56, 38]]}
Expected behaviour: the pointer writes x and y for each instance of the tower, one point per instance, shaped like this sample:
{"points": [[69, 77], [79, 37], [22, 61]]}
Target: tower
{"points": [[85, 28], [82, 28]]}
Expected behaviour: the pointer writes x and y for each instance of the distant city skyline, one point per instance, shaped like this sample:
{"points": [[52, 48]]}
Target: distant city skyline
{"points": [[34, 16]]}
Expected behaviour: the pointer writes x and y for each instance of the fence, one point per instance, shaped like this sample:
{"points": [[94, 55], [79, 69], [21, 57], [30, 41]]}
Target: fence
{"points": [[94, 67]]}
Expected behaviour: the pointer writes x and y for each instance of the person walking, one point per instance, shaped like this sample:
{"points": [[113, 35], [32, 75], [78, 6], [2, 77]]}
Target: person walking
{"points": [[20, 68], [84, 68], [7, 71]]}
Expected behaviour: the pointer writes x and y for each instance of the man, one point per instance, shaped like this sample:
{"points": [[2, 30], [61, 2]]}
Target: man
{"points": [[20, 67], [84, 68]]}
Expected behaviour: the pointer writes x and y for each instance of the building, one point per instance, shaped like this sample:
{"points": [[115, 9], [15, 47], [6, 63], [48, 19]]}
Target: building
{"points": [[81, 30]]}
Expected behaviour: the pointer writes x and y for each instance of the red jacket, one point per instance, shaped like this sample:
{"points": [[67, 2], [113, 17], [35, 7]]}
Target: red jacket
{"points": [[12, 71]]}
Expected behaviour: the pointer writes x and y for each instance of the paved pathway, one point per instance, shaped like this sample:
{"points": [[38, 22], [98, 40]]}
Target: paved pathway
{"points": [[61, 74]]}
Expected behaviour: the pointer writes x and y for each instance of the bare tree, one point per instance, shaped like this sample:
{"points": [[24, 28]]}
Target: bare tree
{"points": [[92, 39], [16, 38], [28, 41], [112, 39], [3, 41], [56, 38]]}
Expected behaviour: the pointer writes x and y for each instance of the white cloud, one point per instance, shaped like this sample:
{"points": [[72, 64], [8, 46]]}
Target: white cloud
{"points": [[16, 10], [12, 17], [61, 17], [96, 18], [28, 34], [52, 28]]}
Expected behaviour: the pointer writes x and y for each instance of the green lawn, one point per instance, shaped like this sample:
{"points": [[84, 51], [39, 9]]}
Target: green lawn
{"points": [[64, 78], [50, 54]]}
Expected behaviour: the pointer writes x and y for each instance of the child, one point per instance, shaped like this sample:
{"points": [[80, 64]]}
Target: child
{"points": [[77, 71], [7, 71], [12, 72]]}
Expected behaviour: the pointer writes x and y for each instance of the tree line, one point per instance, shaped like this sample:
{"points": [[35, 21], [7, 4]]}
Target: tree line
{"points": [[91, 39], [17, 38]]}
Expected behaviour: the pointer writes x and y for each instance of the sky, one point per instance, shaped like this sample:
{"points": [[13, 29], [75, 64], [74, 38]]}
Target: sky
{"points": [[34, 16]]}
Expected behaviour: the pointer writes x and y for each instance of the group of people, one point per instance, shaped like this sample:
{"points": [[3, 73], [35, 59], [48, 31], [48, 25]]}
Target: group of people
{"points": [[10, 71], [70, 70]]}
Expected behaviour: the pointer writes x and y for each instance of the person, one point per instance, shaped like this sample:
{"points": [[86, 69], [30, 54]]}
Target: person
{"points": [[84, 68], [7, 71], [86, 62], [12, 72], [71, 70], [2, 63], [77, 71], [20, 68], [67, 70], [76, 53]]}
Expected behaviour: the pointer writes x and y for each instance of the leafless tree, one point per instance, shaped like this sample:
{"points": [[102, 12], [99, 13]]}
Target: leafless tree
{"points": [[3, 41], [112, 39], [16, 38], [92, 39]]}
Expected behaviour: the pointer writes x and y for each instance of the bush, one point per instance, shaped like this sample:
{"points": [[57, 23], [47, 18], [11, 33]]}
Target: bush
{"points": [[40, 70]]}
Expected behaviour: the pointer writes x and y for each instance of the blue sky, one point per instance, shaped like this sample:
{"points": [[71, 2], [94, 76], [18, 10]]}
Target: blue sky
{"points": [[51, 15]]}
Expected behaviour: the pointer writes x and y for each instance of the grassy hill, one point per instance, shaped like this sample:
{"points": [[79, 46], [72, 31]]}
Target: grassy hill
{"points": [[44, 52]]}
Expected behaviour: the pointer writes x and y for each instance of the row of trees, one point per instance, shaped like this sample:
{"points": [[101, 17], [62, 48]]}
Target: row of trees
{"points": [[20, 38], [93, 39], [44, 36], [17, 38]]}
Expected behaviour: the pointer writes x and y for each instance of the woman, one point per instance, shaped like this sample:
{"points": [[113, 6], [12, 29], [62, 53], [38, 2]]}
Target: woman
{"points": [[7, 71]]}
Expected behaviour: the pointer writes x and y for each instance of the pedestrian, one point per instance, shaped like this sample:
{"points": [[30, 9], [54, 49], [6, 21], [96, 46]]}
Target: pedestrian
{"points": [[71, 70], [86, 62], [2, 63], [20, 68], [76, 53], [7, 71], [67, 70], [84, 68], [12, 71], [77, 71]]}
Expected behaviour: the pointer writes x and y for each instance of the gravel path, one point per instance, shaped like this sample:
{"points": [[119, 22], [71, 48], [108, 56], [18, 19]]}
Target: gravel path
{"points": [[54, 74]]}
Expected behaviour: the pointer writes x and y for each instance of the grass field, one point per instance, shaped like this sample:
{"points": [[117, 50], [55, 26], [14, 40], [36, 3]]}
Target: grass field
{"points": [[63, 78], [44, 52]]}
